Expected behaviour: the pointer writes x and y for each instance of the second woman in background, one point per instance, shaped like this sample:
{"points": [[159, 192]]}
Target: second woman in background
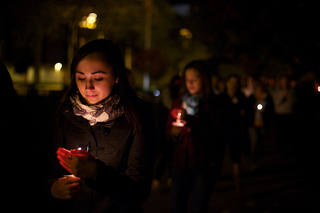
{"points": [[197, 147]]}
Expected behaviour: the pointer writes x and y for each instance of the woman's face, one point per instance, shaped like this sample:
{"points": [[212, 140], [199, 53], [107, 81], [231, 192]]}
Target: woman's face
{"points": [[95, 79], [193, 81], [232, 84]]}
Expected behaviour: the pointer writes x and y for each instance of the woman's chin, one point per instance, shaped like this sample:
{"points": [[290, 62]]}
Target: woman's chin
{"points": [[92, 101]]}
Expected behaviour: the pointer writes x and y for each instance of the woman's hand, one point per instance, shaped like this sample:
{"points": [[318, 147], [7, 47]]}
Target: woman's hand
{"points": [[65, 188], [176, 131], [78, 162]]}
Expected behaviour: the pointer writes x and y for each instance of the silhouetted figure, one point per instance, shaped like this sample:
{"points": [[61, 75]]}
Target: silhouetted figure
{"points": [[22, 156], [283, 98], [235, 131], [165, 147], [260, 115], [248, 87]]}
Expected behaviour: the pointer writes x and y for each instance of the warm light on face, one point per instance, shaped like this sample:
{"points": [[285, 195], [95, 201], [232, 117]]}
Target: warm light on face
{"points": [[94, 78]]}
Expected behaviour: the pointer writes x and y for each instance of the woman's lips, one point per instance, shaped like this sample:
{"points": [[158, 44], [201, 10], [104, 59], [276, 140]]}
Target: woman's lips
{"points": [[91, 96]]}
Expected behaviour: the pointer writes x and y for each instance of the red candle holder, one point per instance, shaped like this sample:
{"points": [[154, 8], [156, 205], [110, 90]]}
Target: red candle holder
{"points": [[177, 113]]}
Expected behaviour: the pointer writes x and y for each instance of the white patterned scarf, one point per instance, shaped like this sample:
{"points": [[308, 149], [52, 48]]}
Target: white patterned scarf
{"points": [[106, 110]]}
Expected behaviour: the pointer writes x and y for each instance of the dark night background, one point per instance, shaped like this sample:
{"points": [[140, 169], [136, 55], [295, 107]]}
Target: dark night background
{"points": [[267, 38]]}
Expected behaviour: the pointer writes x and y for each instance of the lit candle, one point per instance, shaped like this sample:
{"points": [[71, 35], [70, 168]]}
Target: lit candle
{"points": [[68, 176], [179, 122], [179, 117]]}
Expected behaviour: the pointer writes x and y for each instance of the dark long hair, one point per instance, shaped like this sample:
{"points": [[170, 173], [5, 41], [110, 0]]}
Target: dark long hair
{"points": [[113, 57]]}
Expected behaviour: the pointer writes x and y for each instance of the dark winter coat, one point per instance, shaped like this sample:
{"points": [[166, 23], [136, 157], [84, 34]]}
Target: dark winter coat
{"points": [[267, 114], [199, 145], [125, 162]]}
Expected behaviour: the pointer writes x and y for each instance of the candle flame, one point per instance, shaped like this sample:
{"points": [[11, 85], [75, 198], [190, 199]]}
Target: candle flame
{"points": [[259, 106]]}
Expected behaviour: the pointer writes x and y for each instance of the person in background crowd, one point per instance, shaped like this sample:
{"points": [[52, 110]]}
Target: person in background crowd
{"points": [[198, 149], [248, 88], [104, 137], [221, 86], [216, 82], [234, 106], [260, 116], [283, 98], [165, 147]]}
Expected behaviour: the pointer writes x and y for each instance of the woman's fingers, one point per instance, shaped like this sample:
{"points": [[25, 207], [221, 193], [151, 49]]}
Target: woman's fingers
{"points": [[65, 188], [65, 163], [72, 186], [82, 163], [78, 152], [64, 153], [63, 150]]}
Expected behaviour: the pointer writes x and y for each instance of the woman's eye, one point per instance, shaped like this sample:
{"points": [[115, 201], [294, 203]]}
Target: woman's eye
{"points": [[81, 79], [98, 79]]}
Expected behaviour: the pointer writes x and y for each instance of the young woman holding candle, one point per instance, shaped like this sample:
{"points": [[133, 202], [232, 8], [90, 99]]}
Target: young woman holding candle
{"points": [[198, 149], [101, 114]]}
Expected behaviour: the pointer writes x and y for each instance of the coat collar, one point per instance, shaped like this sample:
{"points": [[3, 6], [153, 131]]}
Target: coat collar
{"points": [[67, 111], [81, 122]]}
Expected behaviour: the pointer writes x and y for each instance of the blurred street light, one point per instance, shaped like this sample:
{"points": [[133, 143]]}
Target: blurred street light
{"points": [[186, 37], [89, 22], [58, 67], [185, 33]]}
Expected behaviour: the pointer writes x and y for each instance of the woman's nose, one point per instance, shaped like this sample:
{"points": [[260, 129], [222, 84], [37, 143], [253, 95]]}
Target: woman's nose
{"points": [[89, 84]]}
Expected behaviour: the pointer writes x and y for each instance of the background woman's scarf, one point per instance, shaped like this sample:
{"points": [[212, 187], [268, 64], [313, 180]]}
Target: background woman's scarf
{"points": [[106, 110], [191, 103]]}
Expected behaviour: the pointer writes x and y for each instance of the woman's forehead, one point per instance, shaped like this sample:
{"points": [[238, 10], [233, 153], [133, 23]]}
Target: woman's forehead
{"points": [[192, 72]]}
